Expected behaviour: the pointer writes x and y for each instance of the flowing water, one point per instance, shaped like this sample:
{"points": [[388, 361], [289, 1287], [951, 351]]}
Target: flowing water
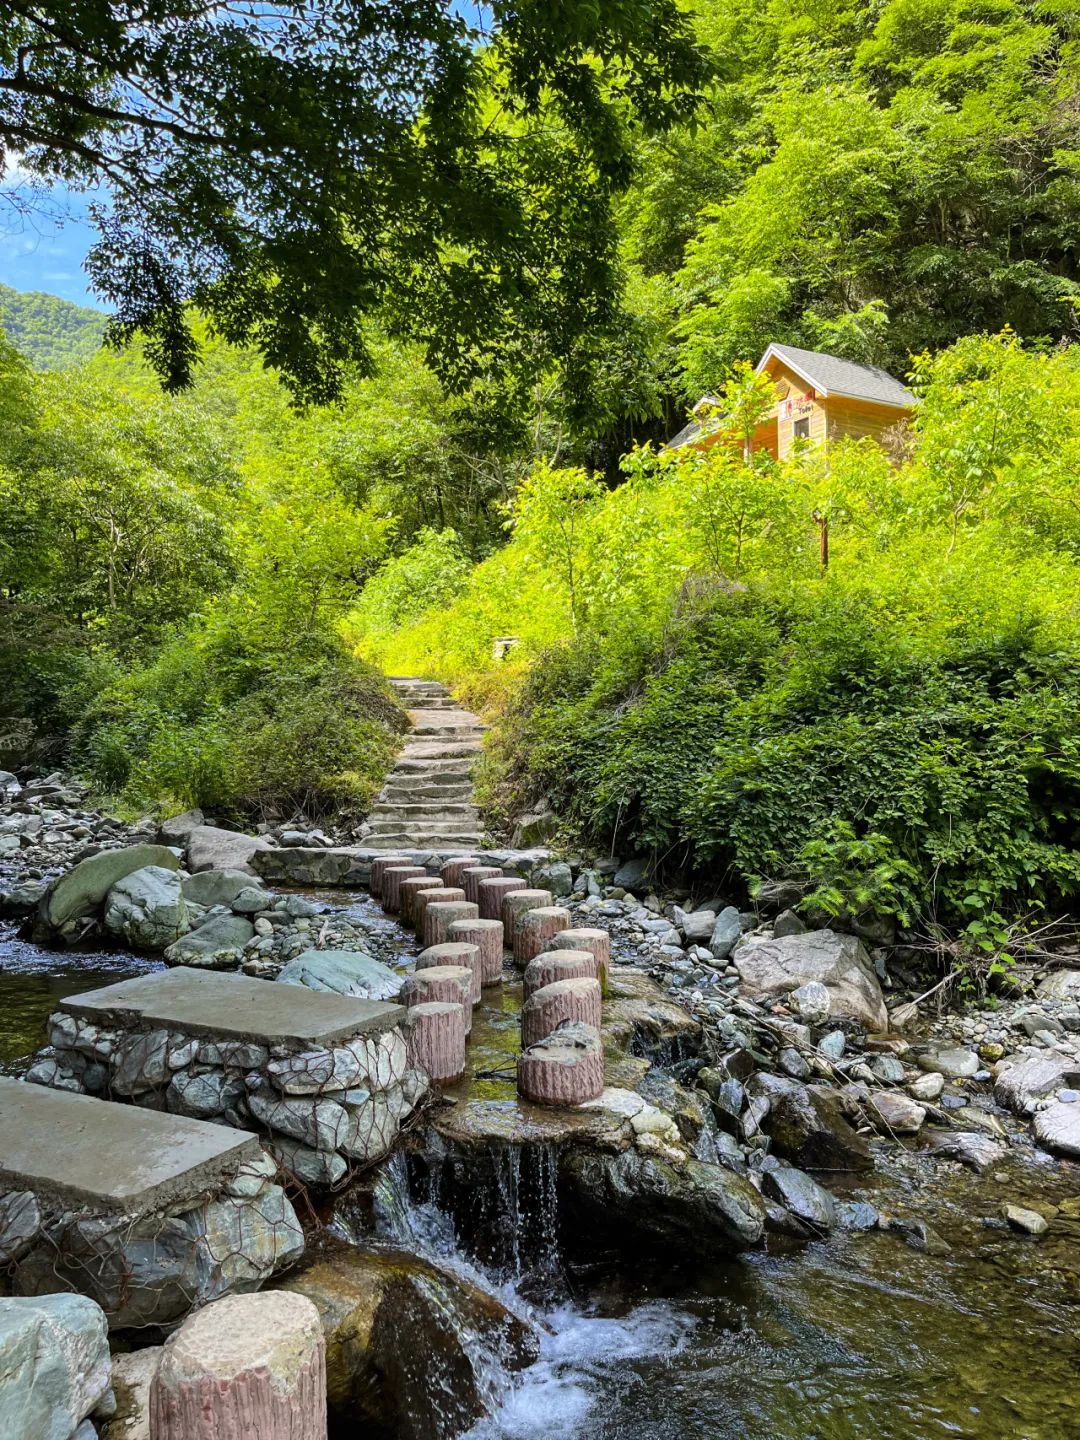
{"points": [[858, 1337]]}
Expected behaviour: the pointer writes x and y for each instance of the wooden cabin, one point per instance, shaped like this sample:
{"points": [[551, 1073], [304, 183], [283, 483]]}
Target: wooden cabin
{"points": [[819, 399]]}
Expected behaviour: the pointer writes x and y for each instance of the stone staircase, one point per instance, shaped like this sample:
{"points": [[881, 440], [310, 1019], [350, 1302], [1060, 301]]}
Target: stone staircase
{"points": [[427, 800]]}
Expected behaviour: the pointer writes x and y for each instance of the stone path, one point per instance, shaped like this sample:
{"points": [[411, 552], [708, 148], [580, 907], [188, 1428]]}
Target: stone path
{"points": [[427, 801]]}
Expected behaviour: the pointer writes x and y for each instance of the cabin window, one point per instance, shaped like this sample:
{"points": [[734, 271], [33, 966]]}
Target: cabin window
{"points": [[802, 429]]}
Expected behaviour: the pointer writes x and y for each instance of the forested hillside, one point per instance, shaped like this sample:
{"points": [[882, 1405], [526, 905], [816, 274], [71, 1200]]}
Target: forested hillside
{"points": [[194, 589], [50, 332]]}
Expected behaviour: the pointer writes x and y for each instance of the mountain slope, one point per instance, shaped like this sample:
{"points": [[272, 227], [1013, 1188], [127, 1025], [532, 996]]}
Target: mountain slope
{"points": [[51, 333]]}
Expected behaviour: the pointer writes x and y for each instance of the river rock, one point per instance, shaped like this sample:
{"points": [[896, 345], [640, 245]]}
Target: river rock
{"points": [[633, 875], [321, 1124], [177, 828], [633, 1198], [402, 1339], [310, 1167], [927, 1087], [1061, 985], [210, 848], [896, 1114], [771, 966], [1058, 1128], [1020, 1218], [133, 1372], [81, 891], [808, 1201], [954, 1064], [1021, 1085], [54, 1365], [811, 1003], [216, 945], [887, 1068], [147, 908], [215, 887], [975, 1150], [726, 933], [696, 925], [788, 923], [204, 1097], [808, 1127], [20, 1221], [345, 972]]}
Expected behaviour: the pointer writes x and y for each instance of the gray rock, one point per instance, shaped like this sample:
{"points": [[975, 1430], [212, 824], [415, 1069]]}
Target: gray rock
{"points": [[1058, 1128], [696, 925], [215, 887], [978, 1152], [147, 908], [726, 933], [896, 1114], [81, 891], [320, 1124], [1020, 1086], [768, 966], [535, 827], [954, 1064], [809, 1128], [792, 1063], [811, 1002], [557, 877], [315, 1071], [133, 1374], [177, 828], [1029, 1221], [204, 1097], [20, 1221], [787, 923], [54, 1365], [887, 1068], [927, 1087], [833, 1045], [804, 1197], [141, 1063], [217, 945], [311, 1167], [1061, 985], [633, 875], [857, 1215], [251, 900], [343, 971], [210, 848]]}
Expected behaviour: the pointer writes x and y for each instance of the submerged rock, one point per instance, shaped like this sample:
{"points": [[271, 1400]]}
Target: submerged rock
{"points": [[696, 1209], [1058, 1128], [408, 1344]]}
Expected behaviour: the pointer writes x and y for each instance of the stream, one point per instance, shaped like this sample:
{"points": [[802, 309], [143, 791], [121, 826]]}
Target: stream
{"points": [[857, 1337]]}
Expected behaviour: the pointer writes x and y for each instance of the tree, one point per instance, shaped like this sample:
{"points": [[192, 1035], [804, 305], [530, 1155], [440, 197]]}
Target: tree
{"points": [[291, 167]]}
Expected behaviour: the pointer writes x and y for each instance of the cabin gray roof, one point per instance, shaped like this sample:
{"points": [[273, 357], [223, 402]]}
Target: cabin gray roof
{"points": [[829, 375]]}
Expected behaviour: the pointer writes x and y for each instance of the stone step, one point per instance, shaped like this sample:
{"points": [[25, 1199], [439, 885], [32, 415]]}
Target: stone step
{"points": [[420, 810], [418, 838], [430, 796], [415, 755], [442, 783]]}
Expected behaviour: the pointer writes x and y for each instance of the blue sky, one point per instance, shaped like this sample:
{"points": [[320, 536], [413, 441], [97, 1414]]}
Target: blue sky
{"points": [[44, 239]]}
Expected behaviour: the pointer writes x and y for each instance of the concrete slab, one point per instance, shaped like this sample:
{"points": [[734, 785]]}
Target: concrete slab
{"points": [[113, 1158], [234, 1007]]}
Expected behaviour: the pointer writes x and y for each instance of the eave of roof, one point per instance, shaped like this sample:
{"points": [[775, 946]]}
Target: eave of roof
{"points": [[783, 353]]}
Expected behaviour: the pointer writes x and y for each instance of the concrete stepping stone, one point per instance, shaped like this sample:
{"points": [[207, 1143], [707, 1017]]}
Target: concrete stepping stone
{"points": [[546, 1009], [447, 895], [455, 953], [472, 875], [379, 867], [439, 916], [245, 1366], [492, 893], [410, 887], [487, 936], [435, 1035], [564, 1068], [391, 885], [453, 870], [591, 938], [449, 983], [555, 965], [533, 930]]}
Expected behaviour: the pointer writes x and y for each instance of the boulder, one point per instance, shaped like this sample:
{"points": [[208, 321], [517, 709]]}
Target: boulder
{"points": [[535, 827], [247, 1365], [251, 900], [808, 1201], [1020, 1086], [788, 923], [54, 1365], [633, 875], [147, 908], [345, 972], [771, 966], [215, 887], [808, 1127], [1058, 1128], [556, 877], [81, 891], [133, 1373], [1062, 985], [177, 828], [216, 945], [896, 1114], [696, 925], [209, 848], [700, 1209], [726, 933], [402, 1340]]}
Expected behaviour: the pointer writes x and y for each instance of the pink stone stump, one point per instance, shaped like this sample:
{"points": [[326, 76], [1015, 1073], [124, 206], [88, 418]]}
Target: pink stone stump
{"points": [[492, 892], [425, 898], [455, 953], [515, 905], [411, 886], [565, 1068], [435, 1040], [379, 867], [584, 938], [561, 1000], [534, 928], [555, 965], [391, 885], [487, 936], [244, 1366], [453, 870], [439, 917], [449, 983], [470, 880]]}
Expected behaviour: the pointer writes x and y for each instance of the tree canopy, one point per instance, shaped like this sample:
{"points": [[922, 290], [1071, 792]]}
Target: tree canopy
{"points": [[291, 167]]}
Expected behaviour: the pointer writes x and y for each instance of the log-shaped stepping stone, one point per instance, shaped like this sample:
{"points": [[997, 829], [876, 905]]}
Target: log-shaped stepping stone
{"points": [[410, 888], [454, 869], [565, 1068], [435, 1037], [455, 953], [243, 1366], [487, 936], [449, 983], [470, 880], [515, 905], [555, 965], [379, 867], [439, 916], [546, 1009], [444, 896], [581, 937], [492, 892], [391, 885], [535, 928]]}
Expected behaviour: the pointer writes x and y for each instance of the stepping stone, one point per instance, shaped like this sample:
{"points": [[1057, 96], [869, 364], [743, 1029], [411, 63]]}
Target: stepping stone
{"points": [[559, 965], [472, 875], [440, 916], [412, 886], [546, 1009], [492, 893], [487, 936], [449, 983], [457, 953], [444, 895], [391, 885], [454, 869], [435, 1034], [565, 1068], [535, 928], [379, 867], [597, 941]]}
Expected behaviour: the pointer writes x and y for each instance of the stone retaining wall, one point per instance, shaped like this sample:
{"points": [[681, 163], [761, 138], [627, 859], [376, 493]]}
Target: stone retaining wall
{"points": [[351, 866]]}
